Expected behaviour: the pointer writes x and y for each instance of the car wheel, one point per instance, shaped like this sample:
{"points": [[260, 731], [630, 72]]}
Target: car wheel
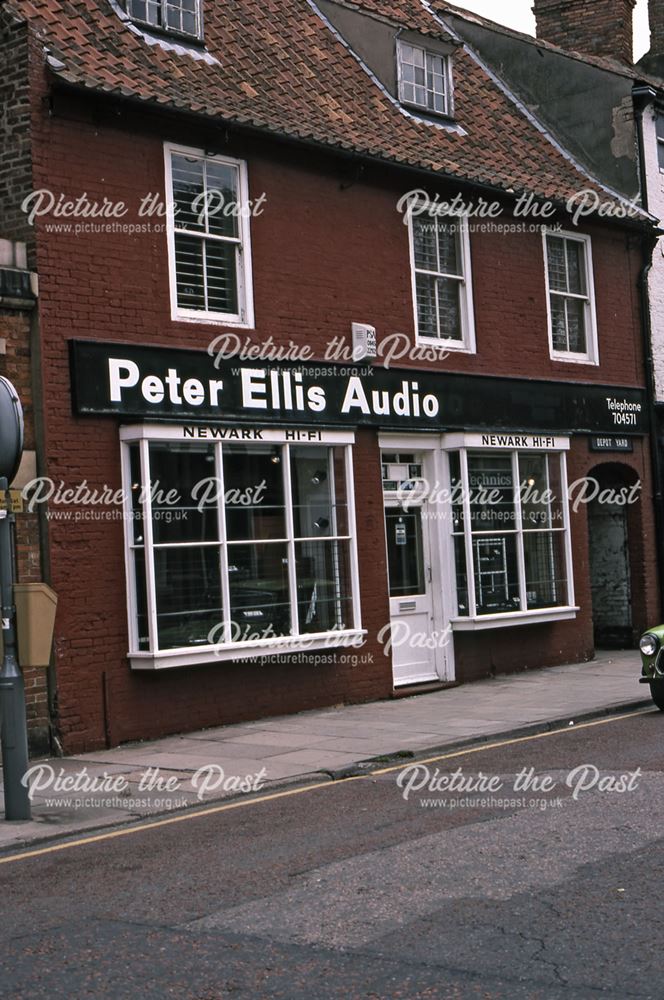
{"points": [[657, 692]]}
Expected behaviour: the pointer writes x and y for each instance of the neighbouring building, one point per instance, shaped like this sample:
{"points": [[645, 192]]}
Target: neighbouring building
{"points": [[579, 78], [246, 508]]}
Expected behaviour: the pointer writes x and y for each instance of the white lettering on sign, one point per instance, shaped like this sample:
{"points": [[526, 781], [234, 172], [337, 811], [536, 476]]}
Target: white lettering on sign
{"points": [[381, 402], [624, 413], [125, 374], [276, 390]]}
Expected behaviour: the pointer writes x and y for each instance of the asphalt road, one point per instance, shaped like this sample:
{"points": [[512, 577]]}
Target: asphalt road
{"points": [[352, 890]]}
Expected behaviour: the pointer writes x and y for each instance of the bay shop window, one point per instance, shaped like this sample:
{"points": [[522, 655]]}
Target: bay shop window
{"points": [[477, 528], [510, 530], [237, 547]]}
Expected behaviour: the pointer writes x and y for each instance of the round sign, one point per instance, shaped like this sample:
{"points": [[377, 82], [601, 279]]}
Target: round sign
{"points": [[11, 430]]}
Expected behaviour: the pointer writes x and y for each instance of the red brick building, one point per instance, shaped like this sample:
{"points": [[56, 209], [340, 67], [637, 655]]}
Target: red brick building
{"points": [[243, 535]]}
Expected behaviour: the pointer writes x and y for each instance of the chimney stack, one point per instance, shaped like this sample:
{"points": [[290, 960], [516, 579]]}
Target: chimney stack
{"points": [[656, 18], [595, 27]]}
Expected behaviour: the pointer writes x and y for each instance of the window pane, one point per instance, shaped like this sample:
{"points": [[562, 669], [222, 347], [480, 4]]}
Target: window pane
{"points": [[448, 243], [254, 493], [576, 269], [189, 272], [461, 575], [408, 91], [222, 198], [491, 488], [318, 501], [136, 493], [340, 520], [221, 275], [405, 553], [449, 308], [496, 574], [141, 600], [137, 9], [188, 192], [559, 323], [427, 312], [323, 586], [189, 23], [184, 474], [576, 325], [424, 242], [555, 247], [188, 590], [544, 556], [660, 154], [420, 90], [456, 489], [260, 601], [541, 491], [534, 491], [417, 57]]}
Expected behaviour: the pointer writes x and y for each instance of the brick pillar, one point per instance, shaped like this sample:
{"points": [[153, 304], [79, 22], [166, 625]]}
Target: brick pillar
{"points": [[594, 27]]}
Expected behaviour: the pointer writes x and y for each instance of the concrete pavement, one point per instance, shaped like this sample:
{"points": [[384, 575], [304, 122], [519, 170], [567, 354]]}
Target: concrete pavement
{"points": [[98, 789]]}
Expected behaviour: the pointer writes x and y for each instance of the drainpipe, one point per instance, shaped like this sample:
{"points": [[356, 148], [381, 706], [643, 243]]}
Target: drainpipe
{"points": [[649, 244]]}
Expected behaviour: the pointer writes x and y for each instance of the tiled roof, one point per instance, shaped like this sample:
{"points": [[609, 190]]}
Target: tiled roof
{"points": [[277, 65]]}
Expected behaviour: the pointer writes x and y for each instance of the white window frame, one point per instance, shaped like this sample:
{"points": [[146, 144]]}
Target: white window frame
{"points": [[591, 357], [467, 344], [155, 659], [463, 444], [245, 315], [164, 26], [447, 76]]}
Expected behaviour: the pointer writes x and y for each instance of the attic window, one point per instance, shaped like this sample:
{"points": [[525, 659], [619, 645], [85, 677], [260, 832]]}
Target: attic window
{"points": [[177, 17], [424, 79]]}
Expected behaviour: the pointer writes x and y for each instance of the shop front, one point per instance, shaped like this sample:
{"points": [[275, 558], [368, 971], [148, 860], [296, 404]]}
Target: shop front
{"points": [[256, 522]]}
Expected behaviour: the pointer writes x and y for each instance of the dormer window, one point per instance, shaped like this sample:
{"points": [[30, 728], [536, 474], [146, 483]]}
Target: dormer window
{"points": [[424, 78], [177, 17]]}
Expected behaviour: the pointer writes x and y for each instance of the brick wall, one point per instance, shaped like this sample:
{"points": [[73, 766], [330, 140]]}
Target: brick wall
{"points": [[328, 250], [15, 364], [15, 112]]}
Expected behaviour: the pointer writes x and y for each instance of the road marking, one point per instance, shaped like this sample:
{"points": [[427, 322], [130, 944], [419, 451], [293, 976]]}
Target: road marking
{"points": [[300, 790]]}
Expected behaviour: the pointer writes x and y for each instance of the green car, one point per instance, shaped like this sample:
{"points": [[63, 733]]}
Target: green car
{"points": [[652, 656]]}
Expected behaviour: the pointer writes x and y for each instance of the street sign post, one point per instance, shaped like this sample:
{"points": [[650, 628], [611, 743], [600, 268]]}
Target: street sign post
{"points": [[14, 734]]}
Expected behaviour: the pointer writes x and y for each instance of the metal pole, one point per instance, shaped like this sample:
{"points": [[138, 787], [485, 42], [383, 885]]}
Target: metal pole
{"points": [[12, 692]]}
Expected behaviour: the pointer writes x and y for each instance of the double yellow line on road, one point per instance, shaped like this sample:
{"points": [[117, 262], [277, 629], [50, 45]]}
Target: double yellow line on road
{"points": [[247, 803]]}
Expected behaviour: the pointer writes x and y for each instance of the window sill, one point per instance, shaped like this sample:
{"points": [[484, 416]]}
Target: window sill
{"points": [[170, 659], [574, 359], [212, 319], [507, 619], [426, 112]]}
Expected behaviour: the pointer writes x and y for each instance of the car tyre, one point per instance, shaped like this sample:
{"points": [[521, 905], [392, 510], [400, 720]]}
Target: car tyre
{"points": [[657, 692]]}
